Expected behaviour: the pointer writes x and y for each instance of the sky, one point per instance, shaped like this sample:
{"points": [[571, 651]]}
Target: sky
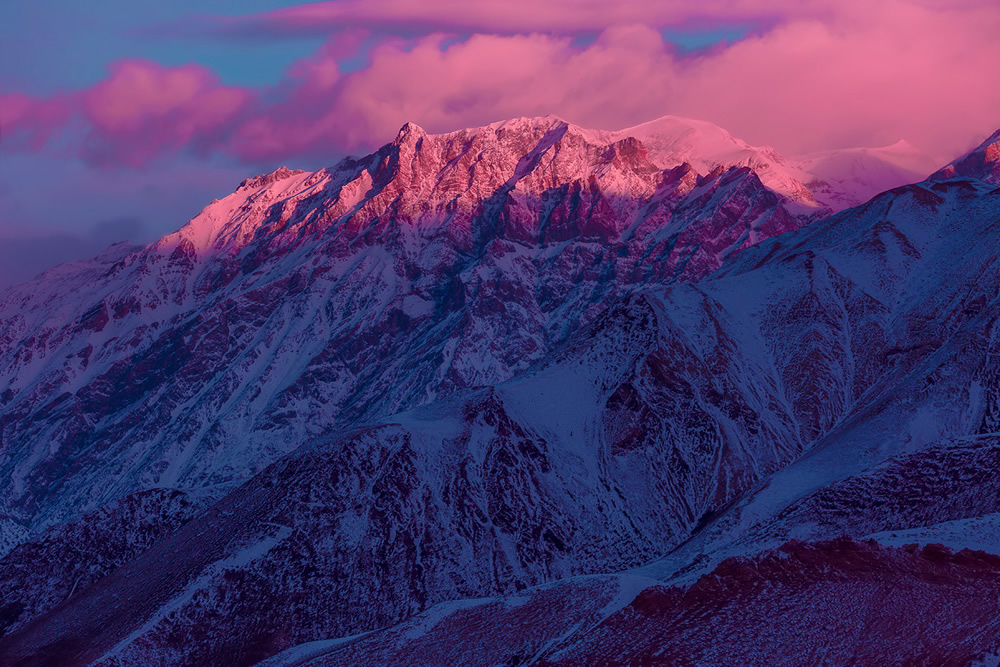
{"points": [[120, 120]]}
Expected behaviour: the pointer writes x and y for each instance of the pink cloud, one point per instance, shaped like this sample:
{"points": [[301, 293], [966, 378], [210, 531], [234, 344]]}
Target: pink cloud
{"points": [[417, 17], [490, 77], [561, 17], [874, 75], [143, 110], [28, 122], [295, 118], [833, 74], [866, 76]]}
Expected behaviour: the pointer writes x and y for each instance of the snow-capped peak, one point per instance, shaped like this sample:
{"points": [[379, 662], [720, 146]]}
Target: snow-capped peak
{"points": [[848, 176], [833, 180]]}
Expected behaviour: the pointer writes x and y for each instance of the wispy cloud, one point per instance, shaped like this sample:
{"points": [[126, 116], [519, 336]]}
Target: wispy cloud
{"points": [[143, 110], [415, 17]]}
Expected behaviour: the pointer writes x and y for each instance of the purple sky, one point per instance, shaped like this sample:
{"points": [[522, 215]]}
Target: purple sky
{"points": [[121, 119]]}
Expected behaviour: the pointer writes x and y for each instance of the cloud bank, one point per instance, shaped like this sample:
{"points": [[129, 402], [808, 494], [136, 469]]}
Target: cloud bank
{"points": [[810, 76]]}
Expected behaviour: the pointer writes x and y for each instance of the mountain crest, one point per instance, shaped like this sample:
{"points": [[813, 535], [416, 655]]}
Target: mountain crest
{"points": [[260, 181], [982, 162]]}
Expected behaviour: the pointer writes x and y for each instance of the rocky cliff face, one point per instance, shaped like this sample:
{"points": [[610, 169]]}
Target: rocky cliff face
{"points": [[502, 363]]}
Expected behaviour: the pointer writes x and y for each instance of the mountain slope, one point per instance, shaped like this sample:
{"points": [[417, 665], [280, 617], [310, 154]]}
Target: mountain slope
{"points": [[305, 302], [784, 607], [480, 494], [470, 364], [708, 408], [982, 162], [932, 343]]}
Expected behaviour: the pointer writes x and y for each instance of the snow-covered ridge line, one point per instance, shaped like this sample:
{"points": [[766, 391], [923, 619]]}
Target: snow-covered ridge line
{"points": [[835, 179]]}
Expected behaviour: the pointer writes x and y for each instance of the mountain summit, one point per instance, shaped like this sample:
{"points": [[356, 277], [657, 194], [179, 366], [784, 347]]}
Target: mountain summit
{"points": [[530, 156]]}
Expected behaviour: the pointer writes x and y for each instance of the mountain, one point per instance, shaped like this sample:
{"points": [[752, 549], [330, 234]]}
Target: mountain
{"points": [[982, 162], [305, 302], [851, 176], [835, 179], [520, 377]]}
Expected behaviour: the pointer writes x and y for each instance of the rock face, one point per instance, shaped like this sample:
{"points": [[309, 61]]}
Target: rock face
{"points": [[505, 363]]}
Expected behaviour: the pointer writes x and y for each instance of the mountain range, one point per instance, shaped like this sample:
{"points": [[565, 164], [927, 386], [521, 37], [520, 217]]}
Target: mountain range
{"points": [[520, 394]]}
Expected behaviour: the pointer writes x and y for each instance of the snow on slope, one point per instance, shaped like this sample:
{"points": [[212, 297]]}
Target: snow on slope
{"points": [[848, 177], [834, 602], [979, 533], [837, 179], [520, 628], [287, 328]]}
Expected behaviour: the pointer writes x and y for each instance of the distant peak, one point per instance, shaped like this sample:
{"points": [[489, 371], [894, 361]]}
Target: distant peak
{"points": [[278, 174], [677, 125], [901, 145]]}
